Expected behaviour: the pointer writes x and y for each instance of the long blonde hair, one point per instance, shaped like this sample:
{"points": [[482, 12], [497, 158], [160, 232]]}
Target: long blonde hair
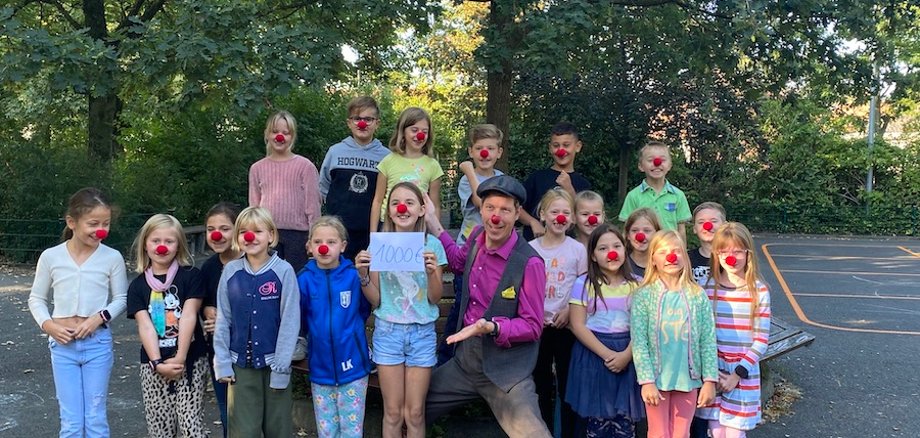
{"points": [[735, 234], [651, 271], [157, 221], [270, 124]]}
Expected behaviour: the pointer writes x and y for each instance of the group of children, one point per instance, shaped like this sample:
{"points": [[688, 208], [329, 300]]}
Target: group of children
{"points": [[635, 327]]}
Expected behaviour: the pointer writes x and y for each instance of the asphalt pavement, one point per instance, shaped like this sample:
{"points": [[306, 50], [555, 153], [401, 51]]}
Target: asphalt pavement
{"points": [[858, 296]]}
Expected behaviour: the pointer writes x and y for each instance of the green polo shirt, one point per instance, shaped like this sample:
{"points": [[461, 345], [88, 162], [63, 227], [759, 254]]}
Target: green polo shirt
{"points": [[671, 204]]}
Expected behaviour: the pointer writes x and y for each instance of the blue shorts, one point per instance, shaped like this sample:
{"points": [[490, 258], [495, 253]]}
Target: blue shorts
{"points": [[410, 344]]}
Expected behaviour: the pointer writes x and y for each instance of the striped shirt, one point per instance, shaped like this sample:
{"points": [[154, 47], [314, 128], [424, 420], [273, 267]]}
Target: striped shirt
{"points": [[743, 342], [288, 189]]}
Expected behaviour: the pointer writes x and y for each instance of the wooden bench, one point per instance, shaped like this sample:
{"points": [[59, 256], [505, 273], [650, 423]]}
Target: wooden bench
{"points": [[196, 237], [447, 300], [784, 337]]}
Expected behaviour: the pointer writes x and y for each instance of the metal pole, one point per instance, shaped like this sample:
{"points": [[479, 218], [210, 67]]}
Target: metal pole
{"points": [[873, 121]]}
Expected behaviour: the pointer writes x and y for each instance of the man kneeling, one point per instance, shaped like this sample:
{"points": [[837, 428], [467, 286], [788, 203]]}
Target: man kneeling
{"points": [[502, 316]]}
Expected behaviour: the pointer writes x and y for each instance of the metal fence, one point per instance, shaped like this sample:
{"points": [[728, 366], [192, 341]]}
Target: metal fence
{"points": [[22, 240]]}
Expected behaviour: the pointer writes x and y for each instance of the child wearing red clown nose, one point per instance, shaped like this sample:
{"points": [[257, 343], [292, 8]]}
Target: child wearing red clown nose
{"points": [[707, 218], [673, 339], [411, 160], [640, 227], [741, 302], [589, 214], [602, 386], [334, 311], [219, 223], [565, 258], [287, 185]]}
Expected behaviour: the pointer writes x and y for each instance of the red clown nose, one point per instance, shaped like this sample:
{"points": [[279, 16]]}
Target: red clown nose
{"points": [[561, 219], [496, 219], [592, 220], [162, 250], [640, 237], [322, 250], [671, 258], [561, 153], [217, 236], [102, 233], [420, 136], [401, 208], [707, 226], [657, 161], [361, 124], [249, 236], [613, 256], [279, 138], [731, 261], [484, 153]]}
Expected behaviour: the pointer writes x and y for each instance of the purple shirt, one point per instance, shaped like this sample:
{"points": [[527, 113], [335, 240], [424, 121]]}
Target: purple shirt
{"points": [[485, 273]]}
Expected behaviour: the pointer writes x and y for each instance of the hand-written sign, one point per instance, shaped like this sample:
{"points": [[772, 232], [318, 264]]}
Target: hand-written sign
{"points": [[397, 252]]}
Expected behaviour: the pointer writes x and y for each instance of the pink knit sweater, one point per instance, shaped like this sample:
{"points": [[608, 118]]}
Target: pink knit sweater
{"points": [[288, 189]]}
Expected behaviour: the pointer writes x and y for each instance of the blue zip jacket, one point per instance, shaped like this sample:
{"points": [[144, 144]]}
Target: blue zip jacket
{"points": [[334, 312]]}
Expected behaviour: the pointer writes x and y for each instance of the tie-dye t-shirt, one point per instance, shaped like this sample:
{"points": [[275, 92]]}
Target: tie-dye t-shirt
{"points": [[404, 295], [609, 314]]}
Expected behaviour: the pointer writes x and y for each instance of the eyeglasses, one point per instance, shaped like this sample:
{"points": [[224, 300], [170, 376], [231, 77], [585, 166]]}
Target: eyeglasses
{"points": [[365, 119], [734, 252]]}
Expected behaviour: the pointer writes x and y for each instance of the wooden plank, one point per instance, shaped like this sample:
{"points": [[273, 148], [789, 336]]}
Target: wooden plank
{"points": [[788, 344]]}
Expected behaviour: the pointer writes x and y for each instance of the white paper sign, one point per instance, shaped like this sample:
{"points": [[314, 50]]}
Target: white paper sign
{"points": [[397, 252]]}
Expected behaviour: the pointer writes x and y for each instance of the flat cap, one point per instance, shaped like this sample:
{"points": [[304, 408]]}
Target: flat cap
{"points": [[505, 185]]}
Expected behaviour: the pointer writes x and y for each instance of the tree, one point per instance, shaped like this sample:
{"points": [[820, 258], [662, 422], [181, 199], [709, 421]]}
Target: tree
{"points": [[755, 47], [160, 54]]}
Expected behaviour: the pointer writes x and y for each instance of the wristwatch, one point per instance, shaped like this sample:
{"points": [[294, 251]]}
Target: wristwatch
{"points": [[741, 371], [494, 327], [154, 363]]}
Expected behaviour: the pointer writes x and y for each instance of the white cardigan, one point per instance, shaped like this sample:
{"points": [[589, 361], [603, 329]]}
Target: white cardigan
{"points": [[99, 283]]}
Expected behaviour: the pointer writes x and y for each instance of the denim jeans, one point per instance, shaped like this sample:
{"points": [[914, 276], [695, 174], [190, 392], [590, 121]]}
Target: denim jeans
{"points": [[81, 379]]}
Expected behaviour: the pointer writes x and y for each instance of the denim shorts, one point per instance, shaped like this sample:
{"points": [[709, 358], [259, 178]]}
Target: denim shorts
{"points": [[410, 344]]}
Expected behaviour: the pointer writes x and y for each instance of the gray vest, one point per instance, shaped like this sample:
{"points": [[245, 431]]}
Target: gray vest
{"points": [[505, 367]]}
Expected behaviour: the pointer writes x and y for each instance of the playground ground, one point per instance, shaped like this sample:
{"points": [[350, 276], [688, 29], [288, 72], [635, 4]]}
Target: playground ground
{"points": [[858, 296]]}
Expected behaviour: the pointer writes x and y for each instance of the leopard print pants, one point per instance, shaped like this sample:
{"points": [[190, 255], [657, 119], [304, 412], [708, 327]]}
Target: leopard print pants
{"points": [[174, 408]]}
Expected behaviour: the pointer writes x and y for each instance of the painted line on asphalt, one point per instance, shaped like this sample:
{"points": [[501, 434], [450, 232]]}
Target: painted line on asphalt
{"points": [[913, 257], [808, 271], [877, 297], [916, 255], [801, 313]]}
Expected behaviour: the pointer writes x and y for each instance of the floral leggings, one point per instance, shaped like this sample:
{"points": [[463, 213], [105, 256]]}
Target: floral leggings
{"points": [[339, 410]]}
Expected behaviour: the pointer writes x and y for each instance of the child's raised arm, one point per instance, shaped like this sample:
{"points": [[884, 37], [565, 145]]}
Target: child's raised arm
{"points": [[434, 194], [469, 172], [379, 194]]}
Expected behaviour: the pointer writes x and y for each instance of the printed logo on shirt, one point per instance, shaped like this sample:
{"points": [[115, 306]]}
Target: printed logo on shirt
{"points": [[700, 274], [365, 163], [358, 183], [345, 298], [671, 206], [269, 291]]}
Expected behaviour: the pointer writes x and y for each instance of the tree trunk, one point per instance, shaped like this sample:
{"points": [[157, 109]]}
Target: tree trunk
{"points": [[498, 109], [103, 110], [623, 177], [498, 81]]}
